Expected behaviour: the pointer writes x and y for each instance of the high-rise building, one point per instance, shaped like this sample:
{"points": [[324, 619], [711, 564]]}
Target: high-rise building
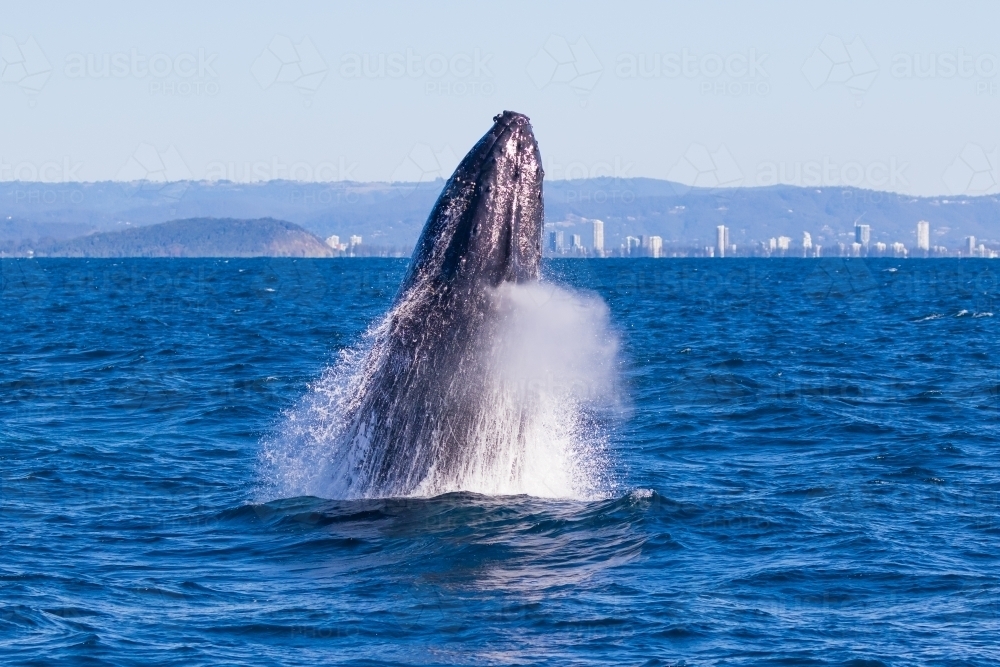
{"points": [[632, 245], [807, 243], [862, 234], [898, 249], [970, 245], [355, 240], [577, 241], [923, 235], [557, 241], [784, 243], [655, 246], [599, 237], [333, 242], [721, 240]]}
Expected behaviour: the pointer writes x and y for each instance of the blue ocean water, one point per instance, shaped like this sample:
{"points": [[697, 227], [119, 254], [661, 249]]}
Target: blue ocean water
{"points": [[806, 472]]}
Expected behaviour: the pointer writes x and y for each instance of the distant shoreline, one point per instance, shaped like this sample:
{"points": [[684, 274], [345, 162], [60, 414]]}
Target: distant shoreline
{"points": [[391, 215]]}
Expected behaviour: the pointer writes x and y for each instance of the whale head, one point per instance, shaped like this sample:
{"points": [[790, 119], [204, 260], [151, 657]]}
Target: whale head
{"points": [[486, 227]]}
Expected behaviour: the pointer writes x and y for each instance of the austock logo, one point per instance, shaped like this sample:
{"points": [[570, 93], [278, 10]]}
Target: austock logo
{"points": [[423, 164], [617, 169], [415, 66], [835, 62], [456, 74], [184, 75], [974, 172], [149, 169], [275, 169], [285, 62], [827, 173], [149, 164], [560, 63], [23, 64], [700, 167], [733, 74], [850, 63], [944, 65], [52, 171]]}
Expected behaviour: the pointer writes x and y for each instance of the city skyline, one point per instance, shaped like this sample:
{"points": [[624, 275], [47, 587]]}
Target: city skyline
{"points": [[779, 246], [391, 216]]}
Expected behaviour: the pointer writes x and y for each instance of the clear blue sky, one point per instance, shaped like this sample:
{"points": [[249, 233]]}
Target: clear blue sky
{"points": [[708, 93]]}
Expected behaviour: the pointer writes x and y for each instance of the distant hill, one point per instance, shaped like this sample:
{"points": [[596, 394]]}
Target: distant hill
{"points": [[384, 214], [196, 237]]}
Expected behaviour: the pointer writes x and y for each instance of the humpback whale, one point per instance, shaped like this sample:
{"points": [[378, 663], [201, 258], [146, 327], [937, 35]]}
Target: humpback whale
{"points": [[426, 408]]}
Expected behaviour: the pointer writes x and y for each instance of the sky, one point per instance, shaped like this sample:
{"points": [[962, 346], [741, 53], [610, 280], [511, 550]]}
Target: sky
{"points": [[902, 97]]}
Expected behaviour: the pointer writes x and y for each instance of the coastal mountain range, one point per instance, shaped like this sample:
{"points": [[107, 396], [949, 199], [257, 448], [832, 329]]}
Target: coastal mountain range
{"points": [[66, 218]]}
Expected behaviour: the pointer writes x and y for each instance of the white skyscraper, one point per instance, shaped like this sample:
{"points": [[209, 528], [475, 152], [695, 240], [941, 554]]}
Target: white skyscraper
{"points": [[655, 246], [970, 245], [784, 243], [556, 242], [862, 234], [923, 235], [333, 242], [807, 243], [721, 240], [577, 243], [355, 240], [599, 238]]}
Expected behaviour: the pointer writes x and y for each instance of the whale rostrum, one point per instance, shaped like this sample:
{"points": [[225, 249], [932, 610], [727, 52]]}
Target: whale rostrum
{"points": [[426, 405]]}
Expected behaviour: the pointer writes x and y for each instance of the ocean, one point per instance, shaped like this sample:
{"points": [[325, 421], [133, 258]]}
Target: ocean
{"points": [[798, 466]]}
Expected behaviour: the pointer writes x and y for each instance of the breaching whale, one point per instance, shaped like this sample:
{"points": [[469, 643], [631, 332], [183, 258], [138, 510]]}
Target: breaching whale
{"points": [[426, 410]]}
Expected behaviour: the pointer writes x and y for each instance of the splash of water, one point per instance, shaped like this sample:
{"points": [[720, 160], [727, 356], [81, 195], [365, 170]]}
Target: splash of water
{"points": [[545, 393]]}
